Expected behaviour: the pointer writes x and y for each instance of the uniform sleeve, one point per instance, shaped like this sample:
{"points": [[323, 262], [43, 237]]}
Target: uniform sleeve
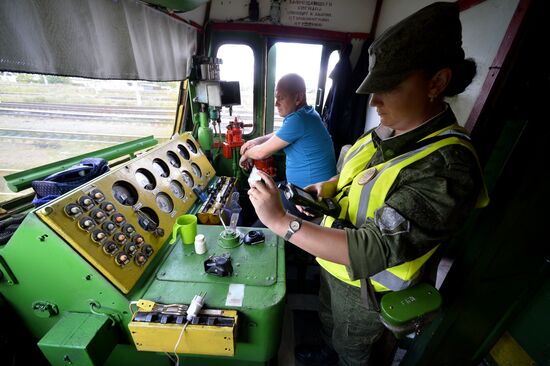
{"points": [[428, 204], [291, 130]]}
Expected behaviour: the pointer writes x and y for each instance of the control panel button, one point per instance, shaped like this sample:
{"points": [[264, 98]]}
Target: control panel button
{"points": [[128, 229], [86, 223], [97, 195], [99, 235], [131, 249], [147, 250], [140, 259], [98, 215], [139, 240], [73, 210], [108, 226], [119, 237], [108, 207], [118, 219], [122, 259], [110, 247], [86, 202]]}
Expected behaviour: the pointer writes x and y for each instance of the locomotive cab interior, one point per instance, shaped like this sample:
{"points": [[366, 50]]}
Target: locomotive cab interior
{"points": [[99, 271]]}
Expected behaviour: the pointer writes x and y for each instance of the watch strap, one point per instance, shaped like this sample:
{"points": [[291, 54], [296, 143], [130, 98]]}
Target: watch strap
{"points": [[291, 232]]}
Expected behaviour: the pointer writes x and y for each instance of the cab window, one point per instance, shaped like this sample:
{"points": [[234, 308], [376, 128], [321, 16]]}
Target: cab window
{"points": [[47, 118], [238, 65], [304, 59]]}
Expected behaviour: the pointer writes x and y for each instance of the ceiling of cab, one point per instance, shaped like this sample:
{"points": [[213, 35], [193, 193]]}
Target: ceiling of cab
{"points": [[178, 5]]}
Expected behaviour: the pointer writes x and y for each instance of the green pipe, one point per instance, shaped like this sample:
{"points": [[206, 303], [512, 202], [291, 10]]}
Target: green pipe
{"points": [[22, 180]]}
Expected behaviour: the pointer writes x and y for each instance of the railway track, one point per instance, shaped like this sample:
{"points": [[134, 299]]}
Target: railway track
{"points": [[45, 135], [152, 115]]}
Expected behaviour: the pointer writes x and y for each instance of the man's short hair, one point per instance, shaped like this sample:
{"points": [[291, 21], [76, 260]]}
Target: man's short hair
{"points": [[292, 84]]}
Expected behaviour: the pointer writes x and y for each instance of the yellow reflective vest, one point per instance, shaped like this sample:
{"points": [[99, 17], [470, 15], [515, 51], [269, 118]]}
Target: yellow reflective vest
{"points": [[362, 191]]}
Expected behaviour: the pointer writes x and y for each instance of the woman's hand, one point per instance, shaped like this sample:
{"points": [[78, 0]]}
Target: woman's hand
{"points": [[266, 200], [326, 189]]}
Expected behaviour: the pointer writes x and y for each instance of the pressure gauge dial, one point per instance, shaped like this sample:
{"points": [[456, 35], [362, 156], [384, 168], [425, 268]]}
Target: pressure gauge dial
{"points": [[187, 178], [173, 159], [125, 193], [196, 170], [145, 179], [161, 168], [164, 202], [192, 146], [177, 189]]}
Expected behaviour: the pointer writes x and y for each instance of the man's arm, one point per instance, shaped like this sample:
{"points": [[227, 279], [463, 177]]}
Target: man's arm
{"points": [[257, 141], [266, 149]]}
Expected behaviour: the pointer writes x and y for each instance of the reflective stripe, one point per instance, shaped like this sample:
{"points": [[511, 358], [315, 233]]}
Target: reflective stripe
{"points": [[391, 281], [365, 199], [356, 151], [367, 188]]}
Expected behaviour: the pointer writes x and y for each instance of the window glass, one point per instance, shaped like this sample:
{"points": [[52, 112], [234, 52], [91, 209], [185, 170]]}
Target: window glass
{"points": [[300, 58], [238, 65], [46, 118], [332, 61]]}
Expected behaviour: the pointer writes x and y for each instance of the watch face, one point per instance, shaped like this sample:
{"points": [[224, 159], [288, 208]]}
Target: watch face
{"points": [[294, 225]]}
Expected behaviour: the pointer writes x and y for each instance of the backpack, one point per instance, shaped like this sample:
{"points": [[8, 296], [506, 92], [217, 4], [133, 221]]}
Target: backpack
{"points": [[62, 182]]}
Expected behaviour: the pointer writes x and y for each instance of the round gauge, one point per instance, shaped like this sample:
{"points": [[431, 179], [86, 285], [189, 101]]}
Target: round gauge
{"points": [[187, 178], [184, 152], [161, 168], [192, 146], [148, 219], [125, 193], [173, 159], [145, 179], [196, 170], [164, 202], [177, 189]]}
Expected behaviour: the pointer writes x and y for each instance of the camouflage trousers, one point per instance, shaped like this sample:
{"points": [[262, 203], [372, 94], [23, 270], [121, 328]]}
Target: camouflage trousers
{"points": [[347, 325]]}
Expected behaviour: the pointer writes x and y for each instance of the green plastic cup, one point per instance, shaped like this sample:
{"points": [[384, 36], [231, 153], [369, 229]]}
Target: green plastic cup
{"points": [[186, 225]]}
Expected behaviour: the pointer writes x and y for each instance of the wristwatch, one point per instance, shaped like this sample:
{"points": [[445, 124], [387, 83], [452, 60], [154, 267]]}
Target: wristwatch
{"points": [[293, 227]]}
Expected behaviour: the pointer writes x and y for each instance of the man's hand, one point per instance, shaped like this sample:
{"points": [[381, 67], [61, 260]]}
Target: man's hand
{"points": [[247, 145], [245, 162]]}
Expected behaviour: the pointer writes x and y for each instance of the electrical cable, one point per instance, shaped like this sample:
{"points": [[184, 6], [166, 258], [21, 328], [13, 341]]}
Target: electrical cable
{"points": [[192, 312]]}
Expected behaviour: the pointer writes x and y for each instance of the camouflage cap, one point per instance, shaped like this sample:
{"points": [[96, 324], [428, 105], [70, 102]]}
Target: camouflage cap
{"points": [[431, 37]]}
